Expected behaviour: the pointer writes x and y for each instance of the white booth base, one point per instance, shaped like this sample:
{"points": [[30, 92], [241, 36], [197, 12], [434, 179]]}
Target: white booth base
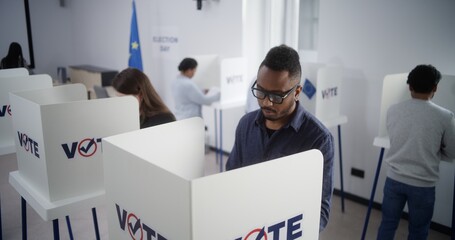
{"points": [[58, 209], [333, 122], [383, 142]]}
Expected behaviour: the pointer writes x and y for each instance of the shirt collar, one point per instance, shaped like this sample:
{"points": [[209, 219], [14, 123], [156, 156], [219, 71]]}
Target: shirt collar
{"points": [[296, 120]]}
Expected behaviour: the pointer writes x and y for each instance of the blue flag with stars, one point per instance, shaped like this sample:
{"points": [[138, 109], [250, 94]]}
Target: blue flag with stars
{"points": [[135, 59]]}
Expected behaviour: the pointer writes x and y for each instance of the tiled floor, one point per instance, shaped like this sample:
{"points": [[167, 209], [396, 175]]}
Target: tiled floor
{"points": [[342, 226]]}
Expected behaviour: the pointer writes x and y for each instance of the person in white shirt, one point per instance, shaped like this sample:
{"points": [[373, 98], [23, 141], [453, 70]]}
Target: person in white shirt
{"points": [[188, 97]]}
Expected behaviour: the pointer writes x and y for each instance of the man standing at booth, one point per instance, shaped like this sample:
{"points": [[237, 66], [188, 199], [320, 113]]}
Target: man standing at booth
{"points": [[421, 135], [281, 126]]}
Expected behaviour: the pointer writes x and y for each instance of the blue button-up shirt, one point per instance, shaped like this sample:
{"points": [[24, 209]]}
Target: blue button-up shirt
{"points": [[304, 132]]}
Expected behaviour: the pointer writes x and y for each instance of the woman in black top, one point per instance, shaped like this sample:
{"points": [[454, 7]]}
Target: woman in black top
{"points": [[152, 110], [14, 59]]}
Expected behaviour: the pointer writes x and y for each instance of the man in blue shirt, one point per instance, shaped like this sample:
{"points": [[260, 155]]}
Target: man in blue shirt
{"points": [[281, 126]]}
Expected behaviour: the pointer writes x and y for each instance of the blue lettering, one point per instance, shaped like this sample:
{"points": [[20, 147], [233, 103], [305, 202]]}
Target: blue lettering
{"points": [[70, 153], [136, 226], [161, 237], [293, 230], [28, 144], [275, 229], [122, 217], [35, 147], [150, 232], [294, 225], [234, 79], [3, 110], [329, 92], [20, 136]]}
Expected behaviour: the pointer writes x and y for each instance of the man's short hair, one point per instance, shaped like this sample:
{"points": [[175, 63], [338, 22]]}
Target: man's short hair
{"points": [[283, 58], [423, 78]]}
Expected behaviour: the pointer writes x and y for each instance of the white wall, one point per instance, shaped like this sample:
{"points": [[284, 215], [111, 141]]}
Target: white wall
{"points": [[97, 32], [372, 39], [13, 27]]}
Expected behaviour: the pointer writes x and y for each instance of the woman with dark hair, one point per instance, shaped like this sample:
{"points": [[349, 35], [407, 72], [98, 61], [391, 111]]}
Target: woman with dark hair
{"points": [[152, 110], [188, 97], [14, 59]]}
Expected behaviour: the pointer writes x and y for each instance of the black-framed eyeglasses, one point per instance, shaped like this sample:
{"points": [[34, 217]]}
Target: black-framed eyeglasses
{"points": [[273, 97]]}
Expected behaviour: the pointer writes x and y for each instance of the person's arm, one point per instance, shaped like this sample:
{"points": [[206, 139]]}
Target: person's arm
{"points": [[197, 96], [327, 149], [448, 140]]}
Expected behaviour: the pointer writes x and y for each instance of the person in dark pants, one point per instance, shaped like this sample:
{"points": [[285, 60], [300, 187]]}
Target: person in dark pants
{"points": [[421, 135]]}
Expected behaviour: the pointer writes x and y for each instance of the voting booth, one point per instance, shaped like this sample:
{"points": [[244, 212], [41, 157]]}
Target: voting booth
{"points": [[395, 90], [15, 79], [155, 189], [58, 136], [13, 72], [321, 92], [228, 76], [321, 96]]}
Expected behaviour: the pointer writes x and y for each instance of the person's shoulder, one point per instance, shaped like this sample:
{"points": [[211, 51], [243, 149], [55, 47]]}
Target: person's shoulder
{"points": [[160, 118], [249, 118], [443, 112], [310, 121]]}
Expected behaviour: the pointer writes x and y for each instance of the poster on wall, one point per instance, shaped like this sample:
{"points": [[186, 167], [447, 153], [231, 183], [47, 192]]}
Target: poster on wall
{"points": [[165, 57]]}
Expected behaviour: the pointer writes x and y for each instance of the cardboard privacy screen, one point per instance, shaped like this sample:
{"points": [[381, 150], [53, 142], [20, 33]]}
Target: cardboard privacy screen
{"points": [[227, 74], [10, 81], [58, 136], [13, 72], [155, 189], [395, 90], [321, 89]]}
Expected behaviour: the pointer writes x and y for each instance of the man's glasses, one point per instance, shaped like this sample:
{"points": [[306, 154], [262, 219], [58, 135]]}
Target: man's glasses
{"points": [[273, 97]]}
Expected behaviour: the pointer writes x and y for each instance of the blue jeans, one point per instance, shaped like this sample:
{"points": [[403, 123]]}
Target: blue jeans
{"points": [[420, 205]]}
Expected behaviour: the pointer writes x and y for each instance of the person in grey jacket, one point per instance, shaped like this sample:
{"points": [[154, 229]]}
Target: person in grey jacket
{"points": [[421, 135], [188, 97]]}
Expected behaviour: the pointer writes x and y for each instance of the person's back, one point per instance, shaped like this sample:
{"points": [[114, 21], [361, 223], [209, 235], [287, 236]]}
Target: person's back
{"points": [[416, 129], [421, 135], [188, 98], [184, 91]]}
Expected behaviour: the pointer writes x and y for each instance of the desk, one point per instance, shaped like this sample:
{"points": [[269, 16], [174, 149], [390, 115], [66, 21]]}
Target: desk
{"points": [[91, 75]]}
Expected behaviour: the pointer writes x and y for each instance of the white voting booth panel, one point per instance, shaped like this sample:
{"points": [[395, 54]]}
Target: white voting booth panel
{"points": [[208, 71], [325, 103], [395, 90], [11, 83], [58, 143], [155, 189], [229, 75], [13, 72]]}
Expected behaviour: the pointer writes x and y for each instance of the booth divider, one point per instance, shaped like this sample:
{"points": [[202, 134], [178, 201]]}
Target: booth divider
{"points": [[155, 187], [58, 136], [15, 80]]}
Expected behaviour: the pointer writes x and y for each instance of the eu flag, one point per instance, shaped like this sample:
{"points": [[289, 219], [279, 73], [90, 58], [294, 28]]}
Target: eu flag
{"points": [[135, 59]]}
